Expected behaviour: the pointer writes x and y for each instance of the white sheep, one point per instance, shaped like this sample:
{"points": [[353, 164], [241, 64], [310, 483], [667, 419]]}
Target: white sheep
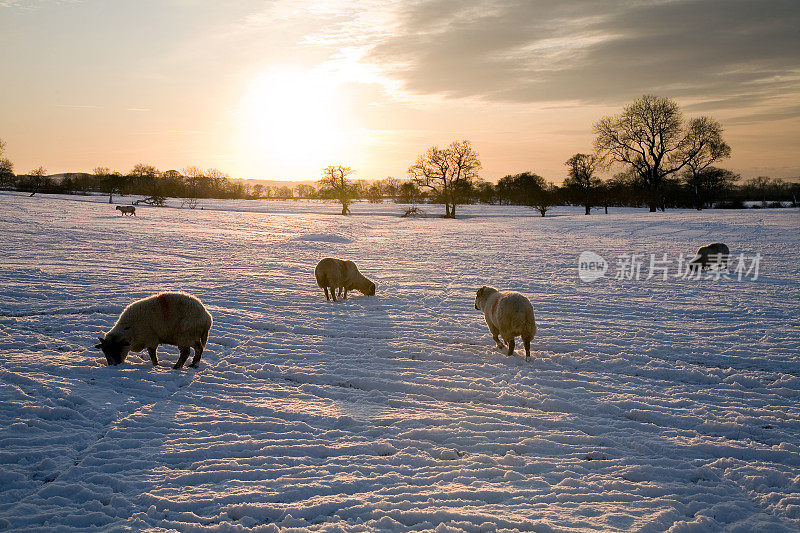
{"points": [[173, 318], [126, 210], [715, 253], [509, 314], [336, 274]]}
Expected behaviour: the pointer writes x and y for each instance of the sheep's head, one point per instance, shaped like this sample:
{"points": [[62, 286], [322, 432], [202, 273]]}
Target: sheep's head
{"points": [[114, 348], [696, 262], [482, 296], [370, 289]]}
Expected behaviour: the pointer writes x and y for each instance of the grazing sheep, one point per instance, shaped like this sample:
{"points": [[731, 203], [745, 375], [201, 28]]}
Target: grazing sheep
{"points": [[173, 318], [713, 254], [508, 314], [126, 210], [336, 274]]}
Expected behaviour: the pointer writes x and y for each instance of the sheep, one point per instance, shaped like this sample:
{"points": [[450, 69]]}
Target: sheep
{"points": [[173, 318], [508, 314], [713, 254], [126, 210], [336, 274]]}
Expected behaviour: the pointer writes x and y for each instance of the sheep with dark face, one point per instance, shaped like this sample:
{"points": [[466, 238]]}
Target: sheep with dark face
{"points": [[173, 318], [126, 210], [509, 314], [335, 274], [715, 253]]}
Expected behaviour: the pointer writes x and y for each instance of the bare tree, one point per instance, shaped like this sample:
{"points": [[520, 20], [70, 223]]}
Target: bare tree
{"points": [[335, 183], [258, 191], [103, 175], [305, 190], [651, 137], [284, 192], [38, 178], [146, 178], [141, 170], [6, 172], [216, 180], [196, 182], [759, 186], [449, 172], [408, 193], [542, 199], [704, 139], [389, 186], [581, 178], [603, 193], [6, 166], [374, 193], [708, 183]]}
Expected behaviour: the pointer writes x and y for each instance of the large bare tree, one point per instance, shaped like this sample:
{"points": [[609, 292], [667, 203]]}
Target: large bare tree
{"points": [[449, 172], [651, 136], [336, 183]]}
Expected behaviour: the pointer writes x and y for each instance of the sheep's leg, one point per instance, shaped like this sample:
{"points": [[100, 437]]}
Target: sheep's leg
{"points": [[327, 297], [527, 343], [185, 350], [333, 293], [496, 337], [511, 346], [495, 332], [198, 352], [153, 358], [345, 293]]}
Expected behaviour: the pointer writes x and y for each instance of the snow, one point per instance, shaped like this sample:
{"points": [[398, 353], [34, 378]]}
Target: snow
{"points": [[648, 405]]}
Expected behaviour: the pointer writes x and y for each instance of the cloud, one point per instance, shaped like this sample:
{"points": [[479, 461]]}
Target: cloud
{"points": [[33, 4], [733, 51]]}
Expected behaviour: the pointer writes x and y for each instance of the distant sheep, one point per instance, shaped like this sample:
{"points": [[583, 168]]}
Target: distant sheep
{"points": [[173, 318], [126, 210], [712, 254], [509, 314], [336, 274]]}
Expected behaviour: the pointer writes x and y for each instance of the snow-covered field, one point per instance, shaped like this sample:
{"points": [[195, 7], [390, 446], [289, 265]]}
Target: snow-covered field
{"points": [[648, 405]]}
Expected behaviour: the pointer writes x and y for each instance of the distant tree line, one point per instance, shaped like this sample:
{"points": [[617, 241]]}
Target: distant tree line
{"points": [[712, 186], [663, 161], [141, 180]]}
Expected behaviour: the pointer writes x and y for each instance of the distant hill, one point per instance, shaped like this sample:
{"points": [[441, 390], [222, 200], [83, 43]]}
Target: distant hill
{"points": [[60, 176], [267, 183], [274, 183]]}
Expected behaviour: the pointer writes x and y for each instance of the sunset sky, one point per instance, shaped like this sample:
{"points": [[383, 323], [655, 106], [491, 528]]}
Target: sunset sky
{"points": [[280, 89]]}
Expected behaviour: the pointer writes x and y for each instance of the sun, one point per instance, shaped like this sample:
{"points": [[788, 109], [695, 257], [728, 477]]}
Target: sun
{"points": [[292, 121]]}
